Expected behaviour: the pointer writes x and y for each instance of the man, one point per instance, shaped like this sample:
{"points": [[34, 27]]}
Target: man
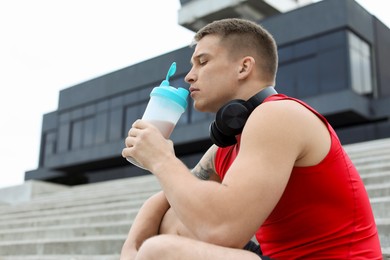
{"points": [[287, 180]]}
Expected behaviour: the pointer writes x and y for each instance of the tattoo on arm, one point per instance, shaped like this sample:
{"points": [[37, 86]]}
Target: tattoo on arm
{"points": [[202, 173], [205, 170]]}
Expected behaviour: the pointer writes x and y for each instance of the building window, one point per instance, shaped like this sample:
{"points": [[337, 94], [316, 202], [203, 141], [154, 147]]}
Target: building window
{"points": [[50, 143], [360, 65], [82, 133], [132, 113], [76, 135]]}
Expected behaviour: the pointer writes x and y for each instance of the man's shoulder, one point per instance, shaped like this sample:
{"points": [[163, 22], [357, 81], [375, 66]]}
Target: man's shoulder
{"points": [[280, 108], [281, 119]]}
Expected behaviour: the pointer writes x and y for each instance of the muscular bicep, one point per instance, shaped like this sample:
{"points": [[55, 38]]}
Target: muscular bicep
{"points": [[257, 178], [205, 169]]}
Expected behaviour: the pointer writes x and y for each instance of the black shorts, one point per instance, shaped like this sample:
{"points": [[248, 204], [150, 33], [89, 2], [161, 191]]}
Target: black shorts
{"points": [[255, 248]]}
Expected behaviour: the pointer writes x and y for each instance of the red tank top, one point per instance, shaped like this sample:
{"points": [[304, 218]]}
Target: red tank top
{"points": [[324, 212]]}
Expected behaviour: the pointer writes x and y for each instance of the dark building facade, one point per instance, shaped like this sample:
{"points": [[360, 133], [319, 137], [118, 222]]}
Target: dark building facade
{"points": [[333, 54]]}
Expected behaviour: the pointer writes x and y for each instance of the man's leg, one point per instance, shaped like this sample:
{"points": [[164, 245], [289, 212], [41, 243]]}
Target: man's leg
{"points": [[176, 247]]}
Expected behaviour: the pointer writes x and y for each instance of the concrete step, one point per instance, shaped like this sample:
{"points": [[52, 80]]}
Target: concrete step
{"points": [[383, 226], [386, 253], [28, 190], [139, 181], [69, 202], [80, 218], [381, 207], [371, 157], [368, 155], [93, 245], [66, 231], [376, 177], [115, 187], [61, 257], [123, 185], [378, 190], [78, 208], [133, 183], [374, 168], [91, 194], [373, 145], [94, 191]]}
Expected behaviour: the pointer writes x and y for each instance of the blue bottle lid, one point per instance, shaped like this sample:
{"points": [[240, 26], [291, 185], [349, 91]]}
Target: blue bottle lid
{"points": [[178, 95]]}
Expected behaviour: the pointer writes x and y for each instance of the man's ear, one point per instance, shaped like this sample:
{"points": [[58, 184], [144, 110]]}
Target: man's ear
{"points": [[246, 67]]}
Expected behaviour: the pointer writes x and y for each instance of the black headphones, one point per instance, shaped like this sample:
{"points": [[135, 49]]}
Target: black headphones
{"points": [[231, 118]]}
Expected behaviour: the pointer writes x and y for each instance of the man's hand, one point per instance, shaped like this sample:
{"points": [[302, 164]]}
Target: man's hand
{"points": [[146, 145]]}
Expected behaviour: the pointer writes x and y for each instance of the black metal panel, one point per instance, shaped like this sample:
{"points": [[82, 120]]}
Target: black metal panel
{"points": [[382, 58], [319, 18]]}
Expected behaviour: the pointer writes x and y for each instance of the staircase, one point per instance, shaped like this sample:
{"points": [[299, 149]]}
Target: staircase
{"points": [[372, 159], [76, 223], [44, 221]]}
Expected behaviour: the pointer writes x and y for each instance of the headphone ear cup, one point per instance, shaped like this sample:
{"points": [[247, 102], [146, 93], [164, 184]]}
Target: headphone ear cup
{"points": [[231, 118], [229, 122], [219, 138]]}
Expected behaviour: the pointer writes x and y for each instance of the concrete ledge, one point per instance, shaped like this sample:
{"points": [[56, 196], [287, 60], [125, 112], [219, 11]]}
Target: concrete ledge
{"points": [[369, 145], [86, 218], [61, 257], [383, 155], [386, 253], [374, 168], [100, 245], [375, 178], [93, 195], [27, 191], [66, 231], [380, 207], [79, 209], [378, 190]]}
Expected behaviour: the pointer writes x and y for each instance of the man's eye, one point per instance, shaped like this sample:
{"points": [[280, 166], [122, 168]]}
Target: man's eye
{"points": [[203, 62]]}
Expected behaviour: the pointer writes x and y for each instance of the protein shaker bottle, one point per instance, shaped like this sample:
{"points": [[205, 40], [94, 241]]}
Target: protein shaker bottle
{"points": [[165, 107]]}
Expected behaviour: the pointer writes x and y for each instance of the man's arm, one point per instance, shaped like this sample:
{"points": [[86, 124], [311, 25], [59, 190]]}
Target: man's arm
{"points": [[145, 225], [274, 137], [156, 216], [205, 169]]}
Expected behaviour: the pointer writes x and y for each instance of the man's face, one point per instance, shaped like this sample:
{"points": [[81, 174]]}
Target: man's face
{"points": [[212, 76]]}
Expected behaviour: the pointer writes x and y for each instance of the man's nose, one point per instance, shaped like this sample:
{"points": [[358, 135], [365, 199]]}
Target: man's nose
{"points": [[190, 77]]}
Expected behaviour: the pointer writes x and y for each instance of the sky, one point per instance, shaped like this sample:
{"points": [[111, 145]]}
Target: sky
{"points": [[50, 45]]}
